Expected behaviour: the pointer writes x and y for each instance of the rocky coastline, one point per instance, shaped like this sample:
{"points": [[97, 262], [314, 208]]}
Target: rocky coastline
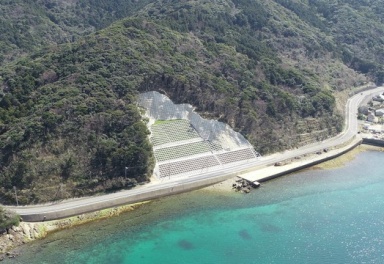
{"points": [[26, 232]]}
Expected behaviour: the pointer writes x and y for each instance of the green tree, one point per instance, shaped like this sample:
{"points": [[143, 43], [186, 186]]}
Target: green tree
{"points": [[8, 218]]}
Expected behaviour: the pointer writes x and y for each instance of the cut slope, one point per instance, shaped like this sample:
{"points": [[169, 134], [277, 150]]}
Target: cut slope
{"points": [[186, 143]]}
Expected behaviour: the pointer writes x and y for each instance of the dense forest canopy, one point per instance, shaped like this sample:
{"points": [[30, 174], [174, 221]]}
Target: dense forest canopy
{"points": [[71, 71], [27, 26]]}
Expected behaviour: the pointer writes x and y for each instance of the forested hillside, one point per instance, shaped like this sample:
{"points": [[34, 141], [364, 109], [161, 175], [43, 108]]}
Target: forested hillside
{"points": [[356, 28], [30, 25], [69, 124]]}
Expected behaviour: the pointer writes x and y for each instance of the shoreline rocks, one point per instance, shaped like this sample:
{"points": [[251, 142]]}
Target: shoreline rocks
{"points": [[27, 231]]}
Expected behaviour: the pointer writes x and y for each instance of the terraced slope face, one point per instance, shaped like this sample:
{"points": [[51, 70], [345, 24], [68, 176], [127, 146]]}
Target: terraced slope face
{"points": [[187, 144], [174, 130]]}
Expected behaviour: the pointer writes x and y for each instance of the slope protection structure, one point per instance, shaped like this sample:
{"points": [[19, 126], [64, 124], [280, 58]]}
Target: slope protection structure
{"points": [[186, 144]]}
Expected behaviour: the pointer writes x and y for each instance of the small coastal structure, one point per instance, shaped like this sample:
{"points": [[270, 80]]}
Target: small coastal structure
{"points": [[373, 128], [366, 126], [372, 118], [378, 98], [376, 129], [379, 112], [363, 110]]}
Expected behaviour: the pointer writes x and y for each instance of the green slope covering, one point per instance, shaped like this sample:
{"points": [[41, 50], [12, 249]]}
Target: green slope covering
{"points": [[69, 124]]}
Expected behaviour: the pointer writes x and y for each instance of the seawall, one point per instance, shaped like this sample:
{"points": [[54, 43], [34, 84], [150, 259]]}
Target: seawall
{"points": [[316, 161], [373, 142], [272, 172], [39, 217]]}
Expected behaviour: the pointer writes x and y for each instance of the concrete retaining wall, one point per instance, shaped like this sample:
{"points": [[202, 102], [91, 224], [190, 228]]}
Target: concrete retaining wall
{"points": [[367, 141], [124, 200], [373, 142], [319, 160]]}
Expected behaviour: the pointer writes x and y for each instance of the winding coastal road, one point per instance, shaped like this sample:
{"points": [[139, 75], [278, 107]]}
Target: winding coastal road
{"points": [[71, 207]]}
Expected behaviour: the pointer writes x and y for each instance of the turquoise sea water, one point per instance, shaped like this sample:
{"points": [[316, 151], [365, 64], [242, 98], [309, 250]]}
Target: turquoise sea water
{"points": [[315, 216]]}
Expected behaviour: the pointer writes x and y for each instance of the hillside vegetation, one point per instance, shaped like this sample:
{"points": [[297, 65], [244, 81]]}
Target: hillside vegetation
{"points": [[27, 26], [69, 124]]}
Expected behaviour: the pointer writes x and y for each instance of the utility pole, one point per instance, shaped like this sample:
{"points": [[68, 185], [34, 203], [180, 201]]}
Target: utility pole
{"points": [[125, 172], [61, 187], [17, 201]]}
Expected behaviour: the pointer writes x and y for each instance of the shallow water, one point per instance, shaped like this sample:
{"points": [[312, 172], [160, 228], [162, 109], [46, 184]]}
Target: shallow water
{"points": [[315, 216]]}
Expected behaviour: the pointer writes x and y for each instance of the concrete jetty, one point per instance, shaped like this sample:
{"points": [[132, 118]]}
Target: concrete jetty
{"points": [[272, 171], [373, 142]]}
